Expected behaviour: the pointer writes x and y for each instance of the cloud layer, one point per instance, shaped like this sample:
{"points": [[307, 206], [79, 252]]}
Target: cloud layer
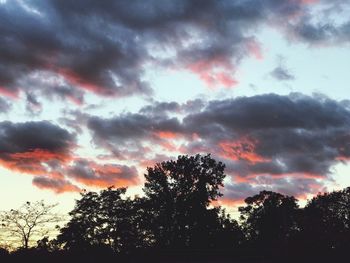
{"points": [[64, 49], [67, 51], [268, 137], [46, 151]]}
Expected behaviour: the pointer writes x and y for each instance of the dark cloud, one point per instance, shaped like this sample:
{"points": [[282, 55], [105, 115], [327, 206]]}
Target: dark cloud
{"points": [[271, 111], [93, 174], [35, 148], [5, 106], [33, 105], [63, 49], [70, 47], [275, 134], [56, 185], [30, 136], [125, 135], [161, 108], [46, 152], [319, 33], [267, 135], [281, 73], [323, 28]]}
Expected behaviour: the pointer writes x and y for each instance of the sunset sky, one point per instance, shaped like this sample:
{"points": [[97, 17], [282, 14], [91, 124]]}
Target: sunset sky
{"points": [[93, 92]]}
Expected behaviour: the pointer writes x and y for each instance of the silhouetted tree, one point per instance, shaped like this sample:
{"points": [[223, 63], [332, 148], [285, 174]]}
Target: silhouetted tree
{"points": [[31, 220], [269, 220], [229, 234], [105, 219], [179, 193], [326, 221]]}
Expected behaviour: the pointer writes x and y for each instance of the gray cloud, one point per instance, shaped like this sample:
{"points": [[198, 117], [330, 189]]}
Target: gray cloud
{"points": [[281, 73], [37, 148], [46, 152], [70, 47], [290, 134], [123, 135], [298, 187], [56, 185], [93, 174], [5, 106], [323, 28], [267, 135], [30, 136]]}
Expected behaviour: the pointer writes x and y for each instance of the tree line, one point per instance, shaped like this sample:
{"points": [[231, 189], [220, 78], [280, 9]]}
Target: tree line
{"points": [[175, 216]]}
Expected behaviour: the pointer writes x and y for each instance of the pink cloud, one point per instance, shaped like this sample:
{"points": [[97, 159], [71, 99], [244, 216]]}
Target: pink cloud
{"points": [[254, 49], [243, 149], [14, 94], [214, 72]]}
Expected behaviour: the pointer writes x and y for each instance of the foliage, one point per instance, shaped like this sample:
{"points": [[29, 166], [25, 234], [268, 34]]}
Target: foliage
{"points": [[105, 219], [179, 193], [269, 219], [327, 216]]}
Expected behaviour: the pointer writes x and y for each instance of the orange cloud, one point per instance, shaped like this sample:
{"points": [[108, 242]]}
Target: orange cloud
{"points": [[40, 155], [167, 134], [169, 146], [21, 166], [243, 149], [34, 162], [102, 183]]}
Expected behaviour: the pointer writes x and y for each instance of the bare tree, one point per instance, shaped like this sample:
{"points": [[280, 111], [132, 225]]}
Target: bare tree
{"points": [[31, 220]]}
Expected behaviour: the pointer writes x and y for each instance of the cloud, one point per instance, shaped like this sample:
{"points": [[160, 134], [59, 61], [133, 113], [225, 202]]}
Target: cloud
{"points": [[284, 134], [46, 152], [57, 185], [125, 135], [37, 149], [160, 108], [297, 187], [282, 73], [4, 106], [283, 137], [65, 49], [323, 29], [271, 138], [93, 174], [30, 136]]}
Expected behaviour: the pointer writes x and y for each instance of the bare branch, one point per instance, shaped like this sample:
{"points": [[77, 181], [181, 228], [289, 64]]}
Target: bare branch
{"points": [[31, 221]]}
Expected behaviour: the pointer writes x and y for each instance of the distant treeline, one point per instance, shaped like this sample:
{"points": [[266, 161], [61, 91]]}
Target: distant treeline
{"points": [[174, 221]]}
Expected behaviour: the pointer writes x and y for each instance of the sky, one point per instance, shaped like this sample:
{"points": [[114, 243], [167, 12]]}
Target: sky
{"points": [[94, 92]]}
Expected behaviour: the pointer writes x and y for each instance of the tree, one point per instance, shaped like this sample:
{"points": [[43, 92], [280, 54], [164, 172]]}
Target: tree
{"points": [[31, 220], [327, 217], [105, 219], [269, 220], [229, 234], [179, 193]]}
